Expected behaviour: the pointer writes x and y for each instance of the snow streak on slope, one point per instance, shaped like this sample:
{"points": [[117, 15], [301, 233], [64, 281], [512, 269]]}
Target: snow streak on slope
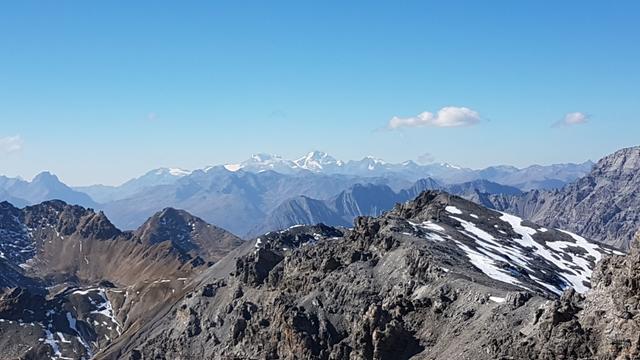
{"points": [[505, 249]]}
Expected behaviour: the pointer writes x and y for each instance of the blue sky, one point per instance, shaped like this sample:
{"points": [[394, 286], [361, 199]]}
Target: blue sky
{"points": [[101, 92]]}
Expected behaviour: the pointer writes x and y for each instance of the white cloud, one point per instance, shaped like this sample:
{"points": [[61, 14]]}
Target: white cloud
{"points": [[573, 118], [449, 116], [10, 144]]}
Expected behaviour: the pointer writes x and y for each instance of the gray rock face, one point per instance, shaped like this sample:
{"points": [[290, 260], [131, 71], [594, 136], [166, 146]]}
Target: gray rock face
{"points": [[601, 206], [604, 324], [436, 278]]}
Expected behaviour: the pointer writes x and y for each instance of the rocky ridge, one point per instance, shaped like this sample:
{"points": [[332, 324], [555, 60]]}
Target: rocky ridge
{"points": [[72, 283], [436, 278], [600, 206]]}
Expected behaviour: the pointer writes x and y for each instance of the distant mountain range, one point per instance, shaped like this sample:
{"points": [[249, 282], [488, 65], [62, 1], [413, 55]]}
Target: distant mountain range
{"points": [[425, 273], [252, 195], [317, 162], [367, 200], [532, 177], [45, 186]]}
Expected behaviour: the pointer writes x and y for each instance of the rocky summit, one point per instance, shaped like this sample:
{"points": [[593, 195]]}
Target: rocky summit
{"points": [[435, 278]]}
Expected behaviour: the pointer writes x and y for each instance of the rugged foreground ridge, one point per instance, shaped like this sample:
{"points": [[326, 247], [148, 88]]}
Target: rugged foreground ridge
{"points": [[71, 282], [436, 278]]}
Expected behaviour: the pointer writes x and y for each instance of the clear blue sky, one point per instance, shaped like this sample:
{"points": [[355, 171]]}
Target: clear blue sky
{"points": [[99, 92]]}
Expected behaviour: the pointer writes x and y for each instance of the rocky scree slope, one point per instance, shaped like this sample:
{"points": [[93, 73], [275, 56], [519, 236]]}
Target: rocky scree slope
{"points": [[436, 278], [74, 283]]}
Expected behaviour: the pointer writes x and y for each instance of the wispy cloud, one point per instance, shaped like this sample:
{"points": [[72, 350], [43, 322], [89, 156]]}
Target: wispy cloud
{"points": [[10, 144], [572, 119], [426, 158], [450, 116]]}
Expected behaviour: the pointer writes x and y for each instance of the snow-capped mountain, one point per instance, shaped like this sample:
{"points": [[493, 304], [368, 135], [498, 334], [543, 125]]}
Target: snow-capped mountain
{"points": [[532, 177], [318, 161], [602, 205], [160, 176], [265, 162]]}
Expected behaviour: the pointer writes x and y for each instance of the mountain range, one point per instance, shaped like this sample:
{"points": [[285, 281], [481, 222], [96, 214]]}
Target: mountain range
{"points": [[45, 186], [365, 200], [72, 282], [243, 197], [532, 177], [600, 205], [320, 163], [424, 274], [433, 277]]}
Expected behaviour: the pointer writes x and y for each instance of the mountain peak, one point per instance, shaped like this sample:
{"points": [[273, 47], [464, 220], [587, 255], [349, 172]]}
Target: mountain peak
{"points": [[623, 161], [318, 161], [374, 159], [186, 233], [316, 154], [46, 177], [167, 224]]}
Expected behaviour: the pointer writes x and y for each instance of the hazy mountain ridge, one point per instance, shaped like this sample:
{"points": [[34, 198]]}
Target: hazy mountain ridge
{"points": [[156, 177], [367, 200], [45, 186], [233, 200], [320, 162], [243, 196], [317, 162]]}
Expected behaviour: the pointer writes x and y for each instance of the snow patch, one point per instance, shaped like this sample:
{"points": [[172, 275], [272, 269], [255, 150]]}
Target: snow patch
{"points": [[453, 210], [233, 167]]}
